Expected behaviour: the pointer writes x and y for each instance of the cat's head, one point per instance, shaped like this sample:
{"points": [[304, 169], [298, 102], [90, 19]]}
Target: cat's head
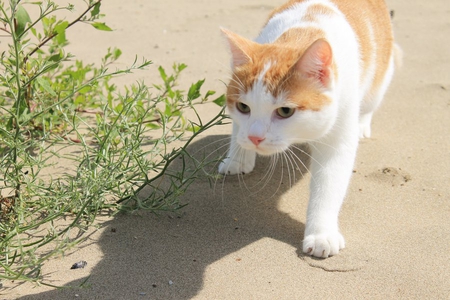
{"points": [[279, 94]]}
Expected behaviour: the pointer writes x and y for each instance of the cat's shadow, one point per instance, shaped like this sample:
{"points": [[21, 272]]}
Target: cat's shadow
{"points": [[165, 256]]}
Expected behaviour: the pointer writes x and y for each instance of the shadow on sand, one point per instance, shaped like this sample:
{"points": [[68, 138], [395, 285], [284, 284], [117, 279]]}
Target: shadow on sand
{"points": [[146, 252]]}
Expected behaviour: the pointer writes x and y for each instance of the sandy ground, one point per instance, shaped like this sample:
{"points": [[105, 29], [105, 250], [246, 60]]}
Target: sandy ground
{"points": [[235, 241]]}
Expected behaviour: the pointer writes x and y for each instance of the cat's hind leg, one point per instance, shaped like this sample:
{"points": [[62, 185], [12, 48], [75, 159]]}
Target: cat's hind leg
{"points": [[365, 121], [373, 100]]}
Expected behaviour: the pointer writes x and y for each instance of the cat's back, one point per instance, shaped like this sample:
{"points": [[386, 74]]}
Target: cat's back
{"points": [[369, 19], [360, 26]]}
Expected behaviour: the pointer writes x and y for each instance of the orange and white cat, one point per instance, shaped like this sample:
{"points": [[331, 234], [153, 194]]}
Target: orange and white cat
{"points": [[315, 74]]}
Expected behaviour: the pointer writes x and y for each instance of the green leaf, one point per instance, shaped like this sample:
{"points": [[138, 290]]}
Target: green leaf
{"points": [[60, 29], [220, 101], [153, 126], [101, 26], [33, 31], [117, 53], [170, 93], [99, 119], [194, 90], [162, 73], [209, 93], [181, 67], [194, 128], [45, 85], [96, 10], [21, 19], [168, 110], [118, 108], [56, 57], [79, 100]]}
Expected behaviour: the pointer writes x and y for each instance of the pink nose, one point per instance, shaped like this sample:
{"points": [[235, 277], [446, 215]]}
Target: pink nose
{"points": [[256, 139]]}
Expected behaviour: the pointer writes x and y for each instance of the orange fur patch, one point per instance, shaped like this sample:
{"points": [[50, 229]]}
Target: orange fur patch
{"points": [[371, 23], [361, 15], [374, 13], [304, 94], [317, 10], [283, 54]]}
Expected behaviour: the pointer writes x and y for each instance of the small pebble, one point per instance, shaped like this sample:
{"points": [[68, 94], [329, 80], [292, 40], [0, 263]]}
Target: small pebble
{"points": [[170, 282], [79, 265]]}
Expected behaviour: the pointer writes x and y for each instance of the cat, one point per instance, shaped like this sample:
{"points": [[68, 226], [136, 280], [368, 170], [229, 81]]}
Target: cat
{"points": [[315, 74]]}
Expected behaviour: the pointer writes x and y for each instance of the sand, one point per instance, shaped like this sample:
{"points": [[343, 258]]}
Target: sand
{"points": [[235, 242]]}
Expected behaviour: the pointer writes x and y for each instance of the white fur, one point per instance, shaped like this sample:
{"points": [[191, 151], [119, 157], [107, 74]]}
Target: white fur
{"points": [[333, 131]]}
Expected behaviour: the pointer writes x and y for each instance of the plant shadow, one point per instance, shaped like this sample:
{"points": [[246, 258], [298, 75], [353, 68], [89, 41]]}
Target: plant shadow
{"points": [[165, 256]]}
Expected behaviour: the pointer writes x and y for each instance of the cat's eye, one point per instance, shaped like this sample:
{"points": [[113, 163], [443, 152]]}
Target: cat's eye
{"points": [[285, 112], [243, 108]]}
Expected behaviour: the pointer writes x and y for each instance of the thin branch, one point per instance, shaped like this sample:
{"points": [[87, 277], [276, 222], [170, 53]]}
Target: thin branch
{"points": [[45, 41], [155, 119], [77, 141], [82, 110], [5, 30]]}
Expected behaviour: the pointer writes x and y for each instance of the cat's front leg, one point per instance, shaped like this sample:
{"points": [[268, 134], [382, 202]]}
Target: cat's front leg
{"points": [[238, 160], [331, 168]]}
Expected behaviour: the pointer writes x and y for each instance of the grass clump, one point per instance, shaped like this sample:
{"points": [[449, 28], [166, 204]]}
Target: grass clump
{"points": [[74, 144]]}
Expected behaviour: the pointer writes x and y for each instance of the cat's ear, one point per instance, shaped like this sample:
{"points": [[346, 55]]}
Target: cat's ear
{"points": [[316, 62], [240, 48]]}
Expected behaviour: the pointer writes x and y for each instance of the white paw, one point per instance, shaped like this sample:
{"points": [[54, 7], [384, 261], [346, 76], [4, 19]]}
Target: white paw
{"points": [[323, 245], [233, 167]]}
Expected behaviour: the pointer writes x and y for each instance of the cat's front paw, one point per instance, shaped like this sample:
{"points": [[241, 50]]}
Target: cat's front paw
{"points": [[233, 167], [324, 244]]}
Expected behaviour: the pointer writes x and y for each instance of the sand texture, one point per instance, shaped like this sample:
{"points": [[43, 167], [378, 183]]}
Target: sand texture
{"points": [[237, 241]]}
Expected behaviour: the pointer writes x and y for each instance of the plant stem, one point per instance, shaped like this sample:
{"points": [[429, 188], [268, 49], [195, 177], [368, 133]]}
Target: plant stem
{"points": [[46, 40], [216, 120]]}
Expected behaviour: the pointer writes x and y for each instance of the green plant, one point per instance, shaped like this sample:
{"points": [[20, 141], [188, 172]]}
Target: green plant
{"points": [[73, 144]]}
